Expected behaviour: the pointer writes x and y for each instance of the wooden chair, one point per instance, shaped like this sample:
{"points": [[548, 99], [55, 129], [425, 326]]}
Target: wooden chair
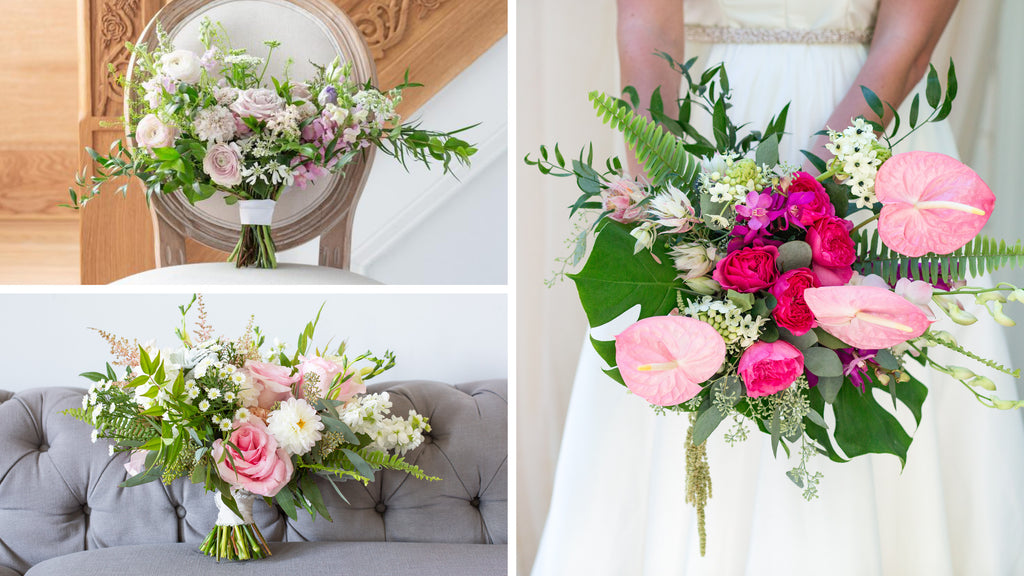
{"points": [[309, 31]]}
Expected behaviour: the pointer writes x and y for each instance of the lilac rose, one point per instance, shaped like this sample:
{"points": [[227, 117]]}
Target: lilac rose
{"points": [[258, 103]]}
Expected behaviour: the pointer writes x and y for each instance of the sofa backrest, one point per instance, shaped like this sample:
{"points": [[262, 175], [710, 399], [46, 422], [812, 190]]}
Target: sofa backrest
{"points": [[59, 491]]}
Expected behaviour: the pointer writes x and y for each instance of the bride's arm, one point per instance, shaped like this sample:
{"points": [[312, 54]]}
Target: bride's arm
{"points": [[645, 27], [906, 32]]}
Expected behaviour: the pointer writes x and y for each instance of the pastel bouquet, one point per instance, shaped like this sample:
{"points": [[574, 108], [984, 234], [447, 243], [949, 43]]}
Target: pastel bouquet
{"points": [[248, 420], [770, 296], [216, 122]]}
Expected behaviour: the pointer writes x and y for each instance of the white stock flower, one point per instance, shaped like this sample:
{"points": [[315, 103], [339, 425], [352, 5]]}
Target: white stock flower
{"points": [[295, 425]]}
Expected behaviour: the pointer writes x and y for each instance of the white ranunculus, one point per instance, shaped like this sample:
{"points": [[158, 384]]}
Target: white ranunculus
{"points": [[152, 133], [295, 425], [182, 65]]}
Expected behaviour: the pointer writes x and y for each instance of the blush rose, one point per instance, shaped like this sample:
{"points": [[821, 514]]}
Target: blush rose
{"points": [[770, 367], [259, 465], [258, 103], [748, 269], [272, 382], [792, 312], [320, 372]]}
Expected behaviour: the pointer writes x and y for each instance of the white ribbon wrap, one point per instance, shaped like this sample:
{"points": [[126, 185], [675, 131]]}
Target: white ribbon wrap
{"points": [[244, 500], [256, 212]]}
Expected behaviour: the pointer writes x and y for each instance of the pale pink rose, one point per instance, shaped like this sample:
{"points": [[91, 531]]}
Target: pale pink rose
{"points": [[136, 463], [259, 465], [272, 382], [152, 133], [622, 198], [258, 103], [224, 164], [770, 367], [320, 372]]}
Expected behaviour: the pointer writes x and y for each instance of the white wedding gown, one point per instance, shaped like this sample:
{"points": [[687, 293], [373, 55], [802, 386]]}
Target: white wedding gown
{"points": [[618, 505]]}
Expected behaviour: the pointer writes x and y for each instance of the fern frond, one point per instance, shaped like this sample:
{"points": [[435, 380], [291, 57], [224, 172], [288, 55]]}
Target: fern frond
{"points": [[339, 472], [379, 459], [78, 414], [661, 153], [977, 257]]}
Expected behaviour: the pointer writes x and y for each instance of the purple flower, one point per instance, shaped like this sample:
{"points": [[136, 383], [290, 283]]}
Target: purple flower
{"points": [[328, 96], [757, 211]]}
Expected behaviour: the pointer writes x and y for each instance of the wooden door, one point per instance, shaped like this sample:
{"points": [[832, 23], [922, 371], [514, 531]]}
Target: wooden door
{"points": [[435, 39]]}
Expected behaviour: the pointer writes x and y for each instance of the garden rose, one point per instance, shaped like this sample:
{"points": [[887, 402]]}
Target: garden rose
{"points": [[623, 198], [832, 250], [748, 269], [808, 200], [272, 382], [224, 164], [792, 312], [258, 103], [182, 65], [152, 133], [769, 367], [259, 465], [320, 372]]}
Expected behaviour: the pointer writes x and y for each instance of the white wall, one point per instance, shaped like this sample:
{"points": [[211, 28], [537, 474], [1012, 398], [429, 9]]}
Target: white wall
{"points": [[421, 227], [453, 338]]}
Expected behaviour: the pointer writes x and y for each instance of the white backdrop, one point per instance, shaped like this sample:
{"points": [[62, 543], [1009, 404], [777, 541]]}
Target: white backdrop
{"points": [[570, 51], [451, 338]]}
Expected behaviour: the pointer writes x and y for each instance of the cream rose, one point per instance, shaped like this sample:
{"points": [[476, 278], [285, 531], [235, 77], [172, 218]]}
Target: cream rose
{"points": [[152, 133], [182, 65], [224, 164], [258, 103]]}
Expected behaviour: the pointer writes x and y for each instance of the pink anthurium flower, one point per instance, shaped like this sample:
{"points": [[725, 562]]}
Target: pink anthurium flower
{"points": [[665, 359], [866, 317], [930, 203]]}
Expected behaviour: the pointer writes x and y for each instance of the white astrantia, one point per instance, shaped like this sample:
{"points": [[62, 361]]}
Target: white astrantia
{"points": [[295, 425]]}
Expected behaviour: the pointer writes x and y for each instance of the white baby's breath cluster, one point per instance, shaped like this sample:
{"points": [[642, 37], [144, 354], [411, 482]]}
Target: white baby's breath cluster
{"points": [[381, 105], [728, 180], [368, 414], [739, 330], [859, 154]]}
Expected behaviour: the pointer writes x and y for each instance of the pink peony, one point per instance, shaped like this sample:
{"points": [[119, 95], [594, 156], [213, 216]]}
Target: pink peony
{"points": [[866, 317], [748, 269], [770, 367], [223, 163], [930, 203], [258, 103], [258, 465], [272, 382], [623, 199], [152, 133], [830, 242], [792, 312], [665, 359], [321, 372]]}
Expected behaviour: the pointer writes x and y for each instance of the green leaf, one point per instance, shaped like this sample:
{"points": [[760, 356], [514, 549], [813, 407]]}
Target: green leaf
{"points": [[709, 416], [823, 362], [286, 501], [802, 342], [830, 341], [886, 360], [614, 279], [312, 494], [933, 90], [361, 465], [914, 109], [829, 387], [873, 101], [818, 163], [794, 254], [951, 89], [767, 153], [839, 195], [863, 426]]}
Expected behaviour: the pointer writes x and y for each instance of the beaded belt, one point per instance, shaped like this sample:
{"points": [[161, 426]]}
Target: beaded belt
{"points": [[734, 35]]}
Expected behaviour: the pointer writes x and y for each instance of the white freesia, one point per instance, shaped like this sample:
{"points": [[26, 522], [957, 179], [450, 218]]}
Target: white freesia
{"points": [[295, 425], [182, 65]]}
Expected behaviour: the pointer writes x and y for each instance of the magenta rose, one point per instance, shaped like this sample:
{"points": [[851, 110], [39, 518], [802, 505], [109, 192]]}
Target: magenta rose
{"points": [[829, 276], [808, 200], [320, 372], [272, 382], [830, 242], [748, 269], [258, 465], [623, 199], [769, 367], [258, 103], [792, 312]]}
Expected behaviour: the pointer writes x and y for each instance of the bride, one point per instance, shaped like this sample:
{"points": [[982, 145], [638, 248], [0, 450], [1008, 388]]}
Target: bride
{"points": [[618, 505]]}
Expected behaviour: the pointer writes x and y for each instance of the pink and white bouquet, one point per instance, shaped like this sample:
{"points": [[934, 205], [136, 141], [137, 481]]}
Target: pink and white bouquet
{"points": [[216, 122], [248, 420], [771, 296]]}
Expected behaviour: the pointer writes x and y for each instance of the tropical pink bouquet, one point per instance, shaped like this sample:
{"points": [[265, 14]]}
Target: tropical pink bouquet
{"points": [[767, 294]]}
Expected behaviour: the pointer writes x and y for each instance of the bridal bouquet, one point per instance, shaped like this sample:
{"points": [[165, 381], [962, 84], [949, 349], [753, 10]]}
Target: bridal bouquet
{"points": [[245, 421], [215, 122], [767, 295]]}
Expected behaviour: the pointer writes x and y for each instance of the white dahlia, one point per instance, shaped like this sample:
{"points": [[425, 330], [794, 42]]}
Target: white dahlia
{"points": [[295, 425]]}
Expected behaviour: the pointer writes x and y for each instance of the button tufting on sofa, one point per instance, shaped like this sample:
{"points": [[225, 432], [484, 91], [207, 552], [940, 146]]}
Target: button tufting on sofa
{"points": [[467, 450], [475, 502]]}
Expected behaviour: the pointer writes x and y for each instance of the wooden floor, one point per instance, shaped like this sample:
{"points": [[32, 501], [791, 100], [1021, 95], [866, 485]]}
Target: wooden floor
{"points": [[39, 251]]}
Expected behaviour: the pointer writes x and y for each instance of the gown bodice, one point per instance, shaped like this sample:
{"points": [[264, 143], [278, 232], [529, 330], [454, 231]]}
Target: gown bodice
{"points": [[784, 14]]}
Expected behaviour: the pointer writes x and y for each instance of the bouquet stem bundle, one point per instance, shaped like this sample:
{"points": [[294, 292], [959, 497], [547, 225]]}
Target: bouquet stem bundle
{"points": [[255, 248]]}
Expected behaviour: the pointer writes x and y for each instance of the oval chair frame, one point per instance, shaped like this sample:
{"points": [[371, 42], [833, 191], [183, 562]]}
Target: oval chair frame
{"points": [[330, 218]]}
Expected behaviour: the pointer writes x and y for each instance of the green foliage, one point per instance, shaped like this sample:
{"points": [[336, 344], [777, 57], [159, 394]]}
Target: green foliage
{"points": [[380, 460], [661, 153], [979, 256]]}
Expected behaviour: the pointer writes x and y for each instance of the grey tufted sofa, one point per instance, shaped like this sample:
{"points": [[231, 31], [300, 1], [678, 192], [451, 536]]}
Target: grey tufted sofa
{"points": [[62, 512]]}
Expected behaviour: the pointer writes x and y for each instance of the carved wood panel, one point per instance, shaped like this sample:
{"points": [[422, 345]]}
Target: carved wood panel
{"points": [[435, 39]]}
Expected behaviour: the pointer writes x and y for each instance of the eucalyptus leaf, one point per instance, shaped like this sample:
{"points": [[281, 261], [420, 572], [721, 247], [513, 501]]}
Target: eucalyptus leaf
{"points": [[802, 342], [823, 362], [886, 360], [742, 301], [830, 341], [794, 254], [767, 153], [829, 387]]}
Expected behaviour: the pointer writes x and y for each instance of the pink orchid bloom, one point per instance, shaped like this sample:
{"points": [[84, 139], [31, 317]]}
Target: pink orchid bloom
{"points": [[918, 293], [665, 359], [930, 203], [866, 317]]}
